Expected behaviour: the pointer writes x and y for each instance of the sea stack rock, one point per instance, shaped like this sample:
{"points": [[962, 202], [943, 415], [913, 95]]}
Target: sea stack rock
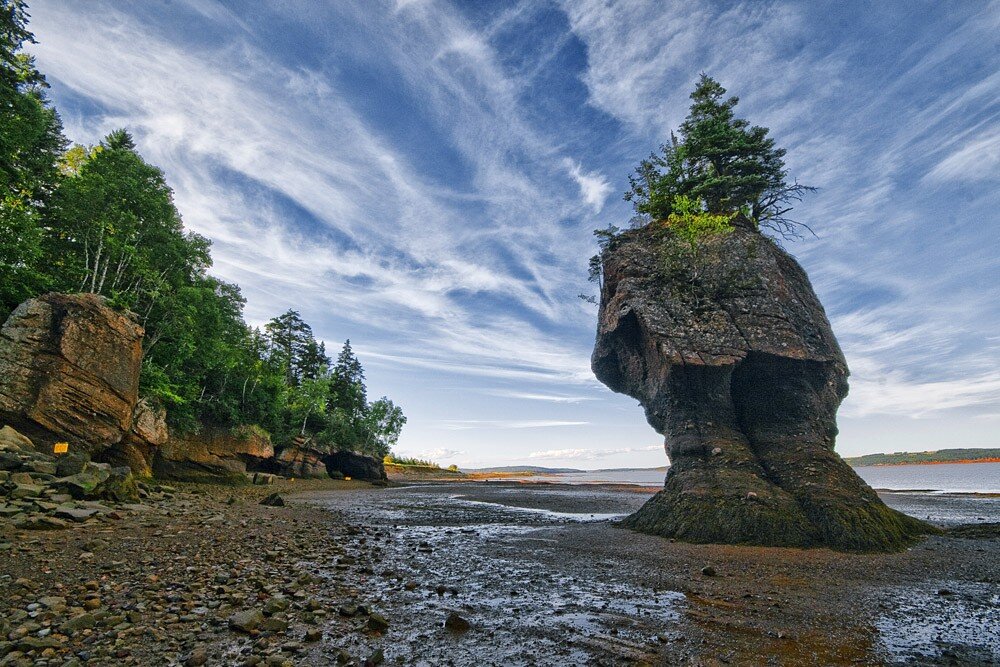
{"points": [[730, 352], [69, 371]]}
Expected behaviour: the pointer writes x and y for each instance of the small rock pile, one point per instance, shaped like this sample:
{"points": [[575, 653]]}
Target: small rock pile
{"points": [[42, 492]]}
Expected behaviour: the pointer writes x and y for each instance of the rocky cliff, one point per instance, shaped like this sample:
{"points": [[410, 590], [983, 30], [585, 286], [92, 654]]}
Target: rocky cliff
{"points": [[730, 352], [69, 371], [213, 455]]}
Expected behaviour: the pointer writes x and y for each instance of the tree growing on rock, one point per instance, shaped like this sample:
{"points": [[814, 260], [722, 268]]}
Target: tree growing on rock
{"points": [[722, 162]]}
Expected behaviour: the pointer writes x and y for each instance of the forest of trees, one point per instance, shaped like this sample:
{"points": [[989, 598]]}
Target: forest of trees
{"points": [[100, 219]]}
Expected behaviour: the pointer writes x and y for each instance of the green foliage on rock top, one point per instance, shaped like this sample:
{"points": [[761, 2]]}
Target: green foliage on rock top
{"points": [[102, 220], [689, 223], [720, 161]]}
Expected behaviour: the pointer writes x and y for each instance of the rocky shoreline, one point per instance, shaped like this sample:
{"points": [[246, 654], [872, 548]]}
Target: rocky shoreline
{"points": [[193, 575], [343, 572]]}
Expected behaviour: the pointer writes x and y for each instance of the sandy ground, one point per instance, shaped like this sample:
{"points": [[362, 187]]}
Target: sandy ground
{"points": [[353, 574]]}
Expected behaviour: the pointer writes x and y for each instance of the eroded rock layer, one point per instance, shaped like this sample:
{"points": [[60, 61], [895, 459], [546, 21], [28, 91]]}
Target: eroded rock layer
{"points": [[731, 354], [213, 455], [69, 371]]}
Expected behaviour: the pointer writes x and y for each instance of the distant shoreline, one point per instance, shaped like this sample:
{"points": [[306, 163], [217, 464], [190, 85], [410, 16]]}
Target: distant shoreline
{"points": [[921, 463]]}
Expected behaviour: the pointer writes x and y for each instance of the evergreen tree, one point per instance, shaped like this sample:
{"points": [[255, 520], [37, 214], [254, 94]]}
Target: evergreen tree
{"points": [[720, 161], [347, 389], [294, 348]]}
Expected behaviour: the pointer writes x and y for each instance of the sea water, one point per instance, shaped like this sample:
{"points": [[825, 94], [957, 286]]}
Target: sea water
{"points": [[942, 477]]}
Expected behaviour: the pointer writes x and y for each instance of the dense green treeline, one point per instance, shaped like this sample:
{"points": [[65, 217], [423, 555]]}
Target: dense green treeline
{"points": [[938, 456], [100, 219]]}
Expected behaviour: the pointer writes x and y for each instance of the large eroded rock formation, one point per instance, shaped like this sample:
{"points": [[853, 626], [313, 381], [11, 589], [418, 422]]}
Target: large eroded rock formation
{"points": [[69, 371], [730, 353]]}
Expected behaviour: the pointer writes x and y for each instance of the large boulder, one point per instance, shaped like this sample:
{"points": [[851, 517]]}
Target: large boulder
{"points": [[301, 459], [138, 448], [10, 439], [356, 466], [101, 481], [213, 455], [69, 371], [731, 354]]}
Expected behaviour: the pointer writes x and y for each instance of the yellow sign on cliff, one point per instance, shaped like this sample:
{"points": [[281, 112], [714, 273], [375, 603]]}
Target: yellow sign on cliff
{"points": [[60, 448]]}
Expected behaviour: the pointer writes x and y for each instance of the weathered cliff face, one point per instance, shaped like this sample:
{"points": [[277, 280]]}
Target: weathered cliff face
{"points": [[301, 459], [356, 466], [69, 371], [213, 455], [730, 353]]}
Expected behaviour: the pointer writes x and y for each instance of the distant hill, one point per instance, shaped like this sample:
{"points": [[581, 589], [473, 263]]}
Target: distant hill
{"points": [[939, 456]]}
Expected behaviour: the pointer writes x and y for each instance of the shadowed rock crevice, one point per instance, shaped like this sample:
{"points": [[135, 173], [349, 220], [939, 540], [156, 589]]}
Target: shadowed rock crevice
{"points": [[741, 373]]}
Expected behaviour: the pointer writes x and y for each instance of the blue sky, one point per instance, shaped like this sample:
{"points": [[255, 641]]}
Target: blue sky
{"points": [[423, 177]]}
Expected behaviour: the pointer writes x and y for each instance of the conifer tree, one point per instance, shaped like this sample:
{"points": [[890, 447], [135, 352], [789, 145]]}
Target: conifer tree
{"points": [[721, 162]]}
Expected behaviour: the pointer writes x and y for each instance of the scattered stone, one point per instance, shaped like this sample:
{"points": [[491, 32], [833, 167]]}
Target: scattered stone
{"points": [[26, 491], [81, 622], [197, 658], [273, 500], [40, 522], [246, 621], [377, 622], [74, 514], [456, 623], [275, 605], [274, 624]]}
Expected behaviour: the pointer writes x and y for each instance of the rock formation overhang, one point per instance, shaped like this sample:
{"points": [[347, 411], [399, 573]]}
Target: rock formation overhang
{"points": [[731, 355]]}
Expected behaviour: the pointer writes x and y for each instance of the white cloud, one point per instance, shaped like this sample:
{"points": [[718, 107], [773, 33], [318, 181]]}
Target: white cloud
{"points": [[977, 160], [594, 186], [590, 454], [439, 454], [528, 396], [201, 112], [469, 424]]}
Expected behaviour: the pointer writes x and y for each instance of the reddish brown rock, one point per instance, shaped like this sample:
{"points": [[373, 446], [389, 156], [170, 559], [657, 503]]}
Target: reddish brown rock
{"points": [[213, 455], [301, 459], [730, 353], [69, 371], [138, 448]]}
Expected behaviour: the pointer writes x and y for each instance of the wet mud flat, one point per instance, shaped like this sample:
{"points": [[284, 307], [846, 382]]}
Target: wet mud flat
{"points": [[540, 574]]}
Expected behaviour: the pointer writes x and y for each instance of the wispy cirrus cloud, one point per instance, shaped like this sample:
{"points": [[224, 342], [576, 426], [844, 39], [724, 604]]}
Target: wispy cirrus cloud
{"points": [[914, 330], [471, 424], [529, 396], [590, 454], [423, 177], [439, 454]]}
